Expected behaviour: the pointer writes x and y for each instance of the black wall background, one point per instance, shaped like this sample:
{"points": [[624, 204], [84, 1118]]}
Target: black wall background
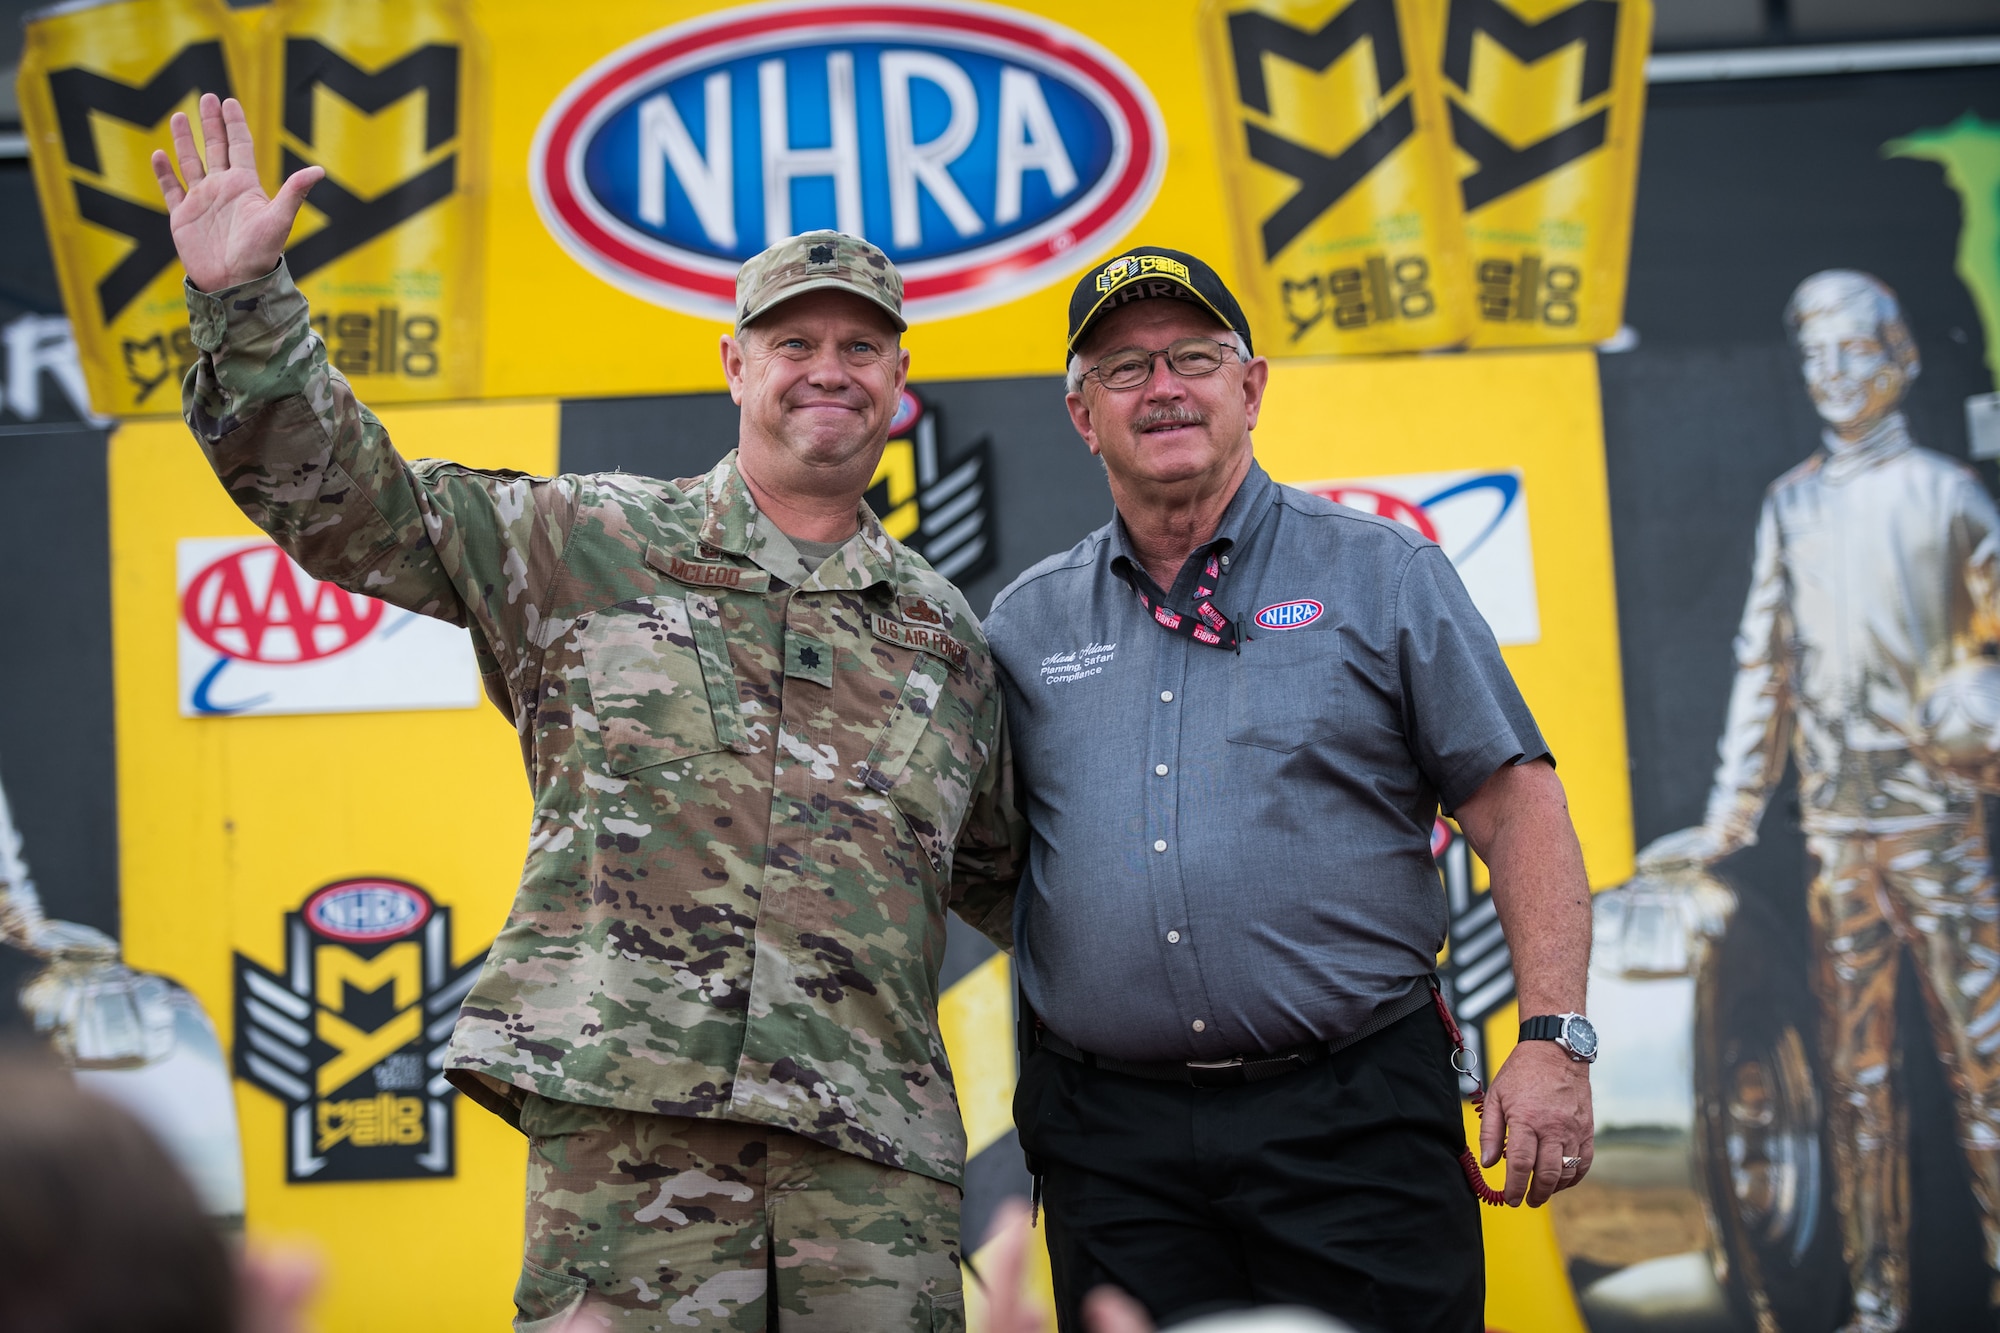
{"points": [[56, 725], [1745, 189]]}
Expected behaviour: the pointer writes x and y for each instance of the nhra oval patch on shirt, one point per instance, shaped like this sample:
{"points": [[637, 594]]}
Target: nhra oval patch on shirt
{"points": [[1290, 615]]}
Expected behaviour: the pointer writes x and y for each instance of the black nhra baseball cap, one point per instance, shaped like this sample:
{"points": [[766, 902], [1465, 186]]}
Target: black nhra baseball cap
{"points": [[1145, 272]]}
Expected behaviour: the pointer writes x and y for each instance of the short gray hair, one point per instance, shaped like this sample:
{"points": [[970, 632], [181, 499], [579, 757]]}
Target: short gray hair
{"points": [[1229, 338]]}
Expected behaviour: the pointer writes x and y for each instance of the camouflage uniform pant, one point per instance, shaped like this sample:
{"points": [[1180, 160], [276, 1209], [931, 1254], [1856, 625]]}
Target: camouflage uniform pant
{"points": [[1930, 891], [649, 1222]]}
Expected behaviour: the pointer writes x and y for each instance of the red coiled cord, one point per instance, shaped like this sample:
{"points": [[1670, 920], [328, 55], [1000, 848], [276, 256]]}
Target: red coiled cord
{"points": [[1474, 1177]]}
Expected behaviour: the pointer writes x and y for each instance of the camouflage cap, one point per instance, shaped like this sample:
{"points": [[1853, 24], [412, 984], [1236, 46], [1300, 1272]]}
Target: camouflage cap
{"points": [[818, 261]]}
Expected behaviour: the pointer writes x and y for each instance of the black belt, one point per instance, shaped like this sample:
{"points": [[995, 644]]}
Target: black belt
{"points": [[1199, 1073]]}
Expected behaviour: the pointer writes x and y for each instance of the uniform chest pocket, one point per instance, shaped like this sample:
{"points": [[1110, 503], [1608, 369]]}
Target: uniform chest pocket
{"points": [[1282, 691], [925, 760], [659, 688]]}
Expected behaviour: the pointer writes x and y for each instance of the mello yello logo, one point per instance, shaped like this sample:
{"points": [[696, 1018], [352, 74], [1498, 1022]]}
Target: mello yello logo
{"points": [[986, 152]]}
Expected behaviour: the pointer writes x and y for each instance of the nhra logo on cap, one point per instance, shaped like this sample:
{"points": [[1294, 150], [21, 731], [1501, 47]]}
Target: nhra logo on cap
{"points": [[367, 911], [986, 151], [1290, 615]]}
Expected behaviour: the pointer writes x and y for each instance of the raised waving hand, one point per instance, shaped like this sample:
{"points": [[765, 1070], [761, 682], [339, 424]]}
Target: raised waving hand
{"points": [[226, 228]]}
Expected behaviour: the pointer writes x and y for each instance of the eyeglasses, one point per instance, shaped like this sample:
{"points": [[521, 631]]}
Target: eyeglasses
{"points": [[1191, 358]]}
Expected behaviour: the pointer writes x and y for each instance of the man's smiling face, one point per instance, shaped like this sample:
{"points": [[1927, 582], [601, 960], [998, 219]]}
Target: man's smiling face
{"points": [[1168, 430], [818, 379]]}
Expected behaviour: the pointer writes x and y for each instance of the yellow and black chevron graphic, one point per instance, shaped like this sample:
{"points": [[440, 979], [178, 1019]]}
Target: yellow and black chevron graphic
{"points": [[938, 507]]}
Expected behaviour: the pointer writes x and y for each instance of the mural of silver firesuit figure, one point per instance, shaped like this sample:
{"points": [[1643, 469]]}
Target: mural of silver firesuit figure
{"points": [[1865, 651]]}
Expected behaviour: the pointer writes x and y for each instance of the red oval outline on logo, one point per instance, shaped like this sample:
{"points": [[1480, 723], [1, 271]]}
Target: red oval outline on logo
{"points": [[203, 627], [1318, 610], [315, 905], [931, 288], [1387, 504]]}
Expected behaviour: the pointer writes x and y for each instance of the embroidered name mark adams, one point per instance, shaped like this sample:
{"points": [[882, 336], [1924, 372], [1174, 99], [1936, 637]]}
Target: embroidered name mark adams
{"points": [[935, 642], [1077, 664]]}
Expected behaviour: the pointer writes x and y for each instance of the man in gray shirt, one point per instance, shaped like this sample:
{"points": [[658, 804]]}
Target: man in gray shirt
{"points": [[1236, 710]]}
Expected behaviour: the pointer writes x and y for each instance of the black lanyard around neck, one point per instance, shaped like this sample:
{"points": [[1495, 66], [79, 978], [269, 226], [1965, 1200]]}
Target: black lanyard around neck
{"points": [[1204, 624]]}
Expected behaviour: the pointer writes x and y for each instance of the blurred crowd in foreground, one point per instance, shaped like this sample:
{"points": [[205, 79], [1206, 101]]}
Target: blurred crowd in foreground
{"points": [[101, 1233]]}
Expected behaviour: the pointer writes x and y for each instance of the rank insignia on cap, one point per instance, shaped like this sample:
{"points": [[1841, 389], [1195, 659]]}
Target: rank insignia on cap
{"points": [[820, 254]]}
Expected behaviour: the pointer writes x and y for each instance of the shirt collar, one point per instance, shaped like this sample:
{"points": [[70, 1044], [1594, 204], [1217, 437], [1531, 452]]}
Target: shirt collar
{"points": [[1889, 437], [731, 522], [1246, 509]]}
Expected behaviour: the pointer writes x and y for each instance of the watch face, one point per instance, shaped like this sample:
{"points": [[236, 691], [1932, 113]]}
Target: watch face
{"points": [[1582, 1036]]}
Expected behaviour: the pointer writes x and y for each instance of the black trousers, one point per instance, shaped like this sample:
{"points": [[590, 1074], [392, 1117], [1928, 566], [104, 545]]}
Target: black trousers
{"points": [[1336, 1187]]}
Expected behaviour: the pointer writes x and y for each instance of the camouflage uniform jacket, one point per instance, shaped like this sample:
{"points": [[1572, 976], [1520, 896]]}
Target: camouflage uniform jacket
{"points": [[751, 781]]}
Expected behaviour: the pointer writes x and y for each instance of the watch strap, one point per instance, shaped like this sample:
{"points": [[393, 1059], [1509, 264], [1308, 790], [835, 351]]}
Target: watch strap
{"points": [[1544, 1027]]}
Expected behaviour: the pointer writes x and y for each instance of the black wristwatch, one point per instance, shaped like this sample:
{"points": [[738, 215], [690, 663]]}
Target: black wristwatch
{"points": [[1572, 1032]]}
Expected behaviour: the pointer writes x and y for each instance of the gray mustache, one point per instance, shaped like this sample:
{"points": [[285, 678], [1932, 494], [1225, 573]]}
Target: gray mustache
{"points": [[1169, 416]]}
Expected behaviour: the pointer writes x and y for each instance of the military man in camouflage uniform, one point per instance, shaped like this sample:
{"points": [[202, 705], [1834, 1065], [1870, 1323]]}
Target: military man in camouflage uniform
{"points": [[759, 733]]}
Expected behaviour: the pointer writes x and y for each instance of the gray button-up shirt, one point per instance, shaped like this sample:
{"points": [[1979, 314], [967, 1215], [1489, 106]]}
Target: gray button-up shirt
{"points": [[1231, 850]]}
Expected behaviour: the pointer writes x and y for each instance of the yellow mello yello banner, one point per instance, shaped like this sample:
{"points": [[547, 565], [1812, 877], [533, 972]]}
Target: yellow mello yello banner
{"points": [[97, 85], [1546, 99], [388, 96], [1334, 157], [1369, 175]]}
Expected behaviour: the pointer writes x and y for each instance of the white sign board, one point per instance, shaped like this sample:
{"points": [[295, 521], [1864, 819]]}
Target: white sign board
{"points": [[258, 635], [1481, 521]]}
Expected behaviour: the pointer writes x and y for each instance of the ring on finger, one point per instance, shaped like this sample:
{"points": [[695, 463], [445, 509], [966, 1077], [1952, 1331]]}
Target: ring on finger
{"points": [[1570, 1165]]}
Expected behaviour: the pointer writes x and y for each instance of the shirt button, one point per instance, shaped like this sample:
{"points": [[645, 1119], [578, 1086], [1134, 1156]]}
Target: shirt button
{"points": [[1161, 769], [1173, 937], [1160, 846], [1200, 1026], [1166, 696]]}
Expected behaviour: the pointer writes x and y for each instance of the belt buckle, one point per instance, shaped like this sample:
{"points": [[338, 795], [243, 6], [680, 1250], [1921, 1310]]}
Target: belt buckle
{"points": [[1216, 1073]]}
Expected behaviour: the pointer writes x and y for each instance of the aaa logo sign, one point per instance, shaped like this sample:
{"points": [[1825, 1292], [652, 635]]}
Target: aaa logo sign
{"points": [[1481, 521], [260, 635]]}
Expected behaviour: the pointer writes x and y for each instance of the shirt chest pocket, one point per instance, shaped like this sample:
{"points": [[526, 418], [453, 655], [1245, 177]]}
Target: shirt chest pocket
{"points": [[661, 687], [1283, 691]]}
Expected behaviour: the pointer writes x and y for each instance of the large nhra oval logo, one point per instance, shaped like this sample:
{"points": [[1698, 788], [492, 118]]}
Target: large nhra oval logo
{"points": [[988, 152]]}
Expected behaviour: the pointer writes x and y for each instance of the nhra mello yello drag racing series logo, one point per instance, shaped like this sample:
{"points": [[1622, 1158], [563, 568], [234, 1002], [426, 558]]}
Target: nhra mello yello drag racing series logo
{"points": [[258, 635], [350, 1036], [1545, 104], [986, 151], [1331, 132], [385, 97], [97, 86], [389, 99]]}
